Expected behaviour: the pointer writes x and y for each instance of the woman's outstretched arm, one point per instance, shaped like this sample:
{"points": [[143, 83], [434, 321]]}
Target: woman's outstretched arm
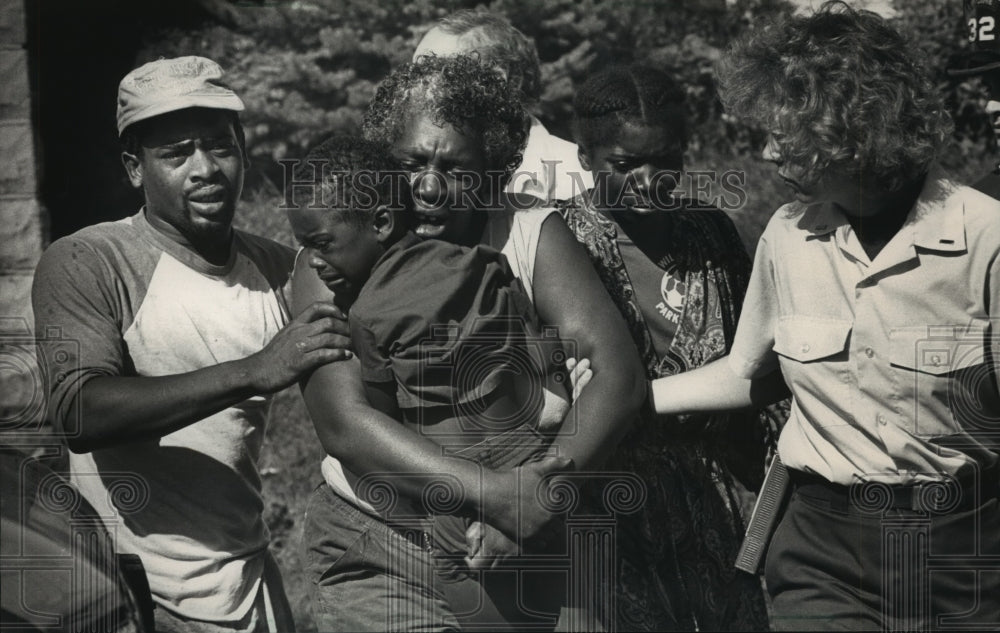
{"points": [[714, 387]]}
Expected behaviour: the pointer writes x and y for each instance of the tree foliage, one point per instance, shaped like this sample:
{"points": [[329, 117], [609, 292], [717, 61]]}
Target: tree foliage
{"points": [[309, 67]]}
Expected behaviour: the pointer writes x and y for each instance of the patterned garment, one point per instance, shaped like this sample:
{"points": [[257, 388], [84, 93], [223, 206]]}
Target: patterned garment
{"points": [[696, 469]]}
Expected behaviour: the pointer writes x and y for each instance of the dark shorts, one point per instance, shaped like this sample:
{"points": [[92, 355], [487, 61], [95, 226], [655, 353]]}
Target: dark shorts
{"points": [[501, 452], [369, 576], [837, 566]]}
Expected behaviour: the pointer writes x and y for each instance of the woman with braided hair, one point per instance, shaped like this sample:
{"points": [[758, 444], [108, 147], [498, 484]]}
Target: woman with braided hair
{"points": [[677, 272]]}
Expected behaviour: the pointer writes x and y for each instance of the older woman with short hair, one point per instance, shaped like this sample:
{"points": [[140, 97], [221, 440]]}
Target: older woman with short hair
{"points": [[455, 125], [548, 168]]}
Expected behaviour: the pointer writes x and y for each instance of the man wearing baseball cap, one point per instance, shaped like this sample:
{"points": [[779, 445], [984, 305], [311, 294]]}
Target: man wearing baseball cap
{"points": [[982, 27], [181, 334]]}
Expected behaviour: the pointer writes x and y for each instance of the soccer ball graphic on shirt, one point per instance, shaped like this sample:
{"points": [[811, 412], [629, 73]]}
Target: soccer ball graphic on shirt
{"points": [[673, 289]]}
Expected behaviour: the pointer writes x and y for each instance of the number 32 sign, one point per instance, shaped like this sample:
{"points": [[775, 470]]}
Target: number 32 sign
{"points": [[982, 30]]}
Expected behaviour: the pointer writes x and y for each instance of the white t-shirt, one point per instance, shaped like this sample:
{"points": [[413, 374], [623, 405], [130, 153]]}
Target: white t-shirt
{"points": [[550, 168], [129, 301]]}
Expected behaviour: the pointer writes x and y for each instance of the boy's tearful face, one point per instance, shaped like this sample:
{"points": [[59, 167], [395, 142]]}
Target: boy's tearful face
{"points": [[341, 250]]}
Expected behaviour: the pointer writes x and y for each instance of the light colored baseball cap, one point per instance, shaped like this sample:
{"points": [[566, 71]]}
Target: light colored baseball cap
{"points": [[167, 85]]}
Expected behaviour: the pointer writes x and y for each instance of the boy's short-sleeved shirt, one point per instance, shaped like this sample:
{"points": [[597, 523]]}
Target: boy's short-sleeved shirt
{"points": [[516, 234], [135, 303], [441, 321], [890, 361]]}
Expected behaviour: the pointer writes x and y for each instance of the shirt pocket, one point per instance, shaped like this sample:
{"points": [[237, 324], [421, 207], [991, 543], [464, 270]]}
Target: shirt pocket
{"points": [[814, 360], [944, 379]]}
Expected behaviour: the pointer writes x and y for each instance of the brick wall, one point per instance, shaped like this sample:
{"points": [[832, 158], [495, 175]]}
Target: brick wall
{"points": [[22, 226]]}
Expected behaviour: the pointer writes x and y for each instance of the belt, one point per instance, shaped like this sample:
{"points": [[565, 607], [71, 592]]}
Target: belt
{"points": [[940, 497], [415, 534]]}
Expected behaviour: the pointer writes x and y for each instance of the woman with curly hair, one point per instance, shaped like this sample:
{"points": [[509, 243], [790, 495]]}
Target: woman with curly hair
{"points": [[677, 272], [455, 125], [873, 295], [549, 168]]}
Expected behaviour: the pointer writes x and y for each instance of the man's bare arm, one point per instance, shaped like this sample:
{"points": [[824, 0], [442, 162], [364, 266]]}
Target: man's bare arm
{"points": [[117, 409]]}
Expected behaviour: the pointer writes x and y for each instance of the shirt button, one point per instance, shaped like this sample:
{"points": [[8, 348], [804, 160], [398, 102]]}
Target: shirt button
{"points": [[805, 347], [869, 352], [881, 419]]}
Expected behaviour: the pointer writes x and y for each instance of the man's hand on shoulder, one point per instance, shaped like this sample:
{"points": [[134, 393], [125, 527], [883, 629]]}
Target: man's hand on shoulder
{"points": [[319, 335]]}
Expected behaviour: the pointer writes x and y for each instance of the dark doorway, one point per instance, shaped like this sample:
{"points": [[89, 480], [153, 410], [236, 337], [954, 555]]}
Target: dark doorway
{"points": [[77, 54]]}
